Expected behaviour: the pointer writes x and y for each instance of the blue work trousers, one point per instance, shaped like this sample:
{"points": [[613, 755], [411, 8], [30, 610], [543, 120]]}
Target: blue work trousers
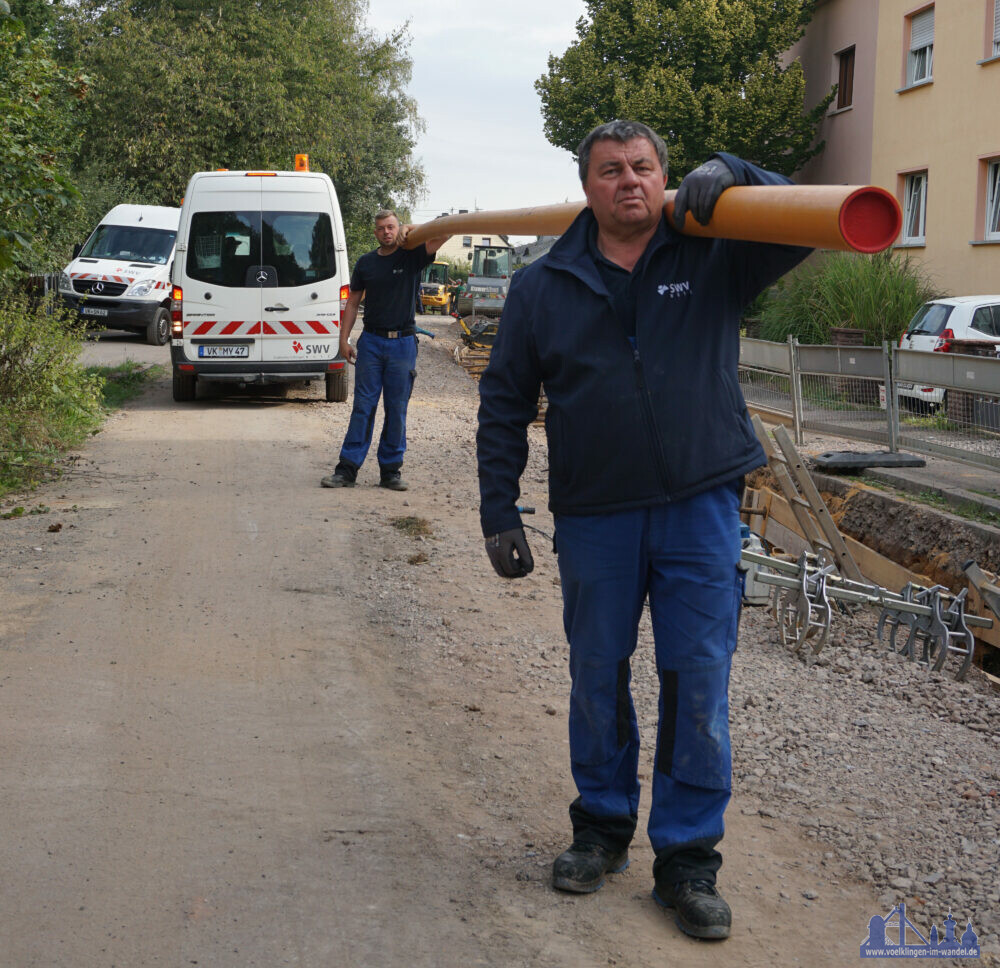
{"points": [[683, 556], [386, 368]]}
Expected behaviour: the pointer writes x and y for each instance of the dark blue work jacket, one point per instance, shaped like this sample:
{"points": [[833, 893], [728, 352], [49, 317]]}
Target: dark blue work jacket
{"points": [[629, 424]]}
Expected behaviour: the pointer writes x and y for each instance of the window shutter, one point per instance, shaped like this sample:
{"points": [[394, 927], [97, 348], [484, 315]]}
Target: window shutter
{"points": [[922, 29]]}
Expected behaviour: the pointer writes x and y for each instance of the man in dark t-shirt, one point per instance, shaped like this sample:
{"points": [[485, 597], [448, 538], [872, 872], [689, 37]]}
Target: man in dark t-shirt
{"points": [[385, 360]]}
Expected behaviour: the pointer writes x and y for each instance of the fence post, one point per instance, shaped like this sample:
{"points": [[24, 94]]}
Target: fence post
{"points": [[891, 411], [795, 385]]}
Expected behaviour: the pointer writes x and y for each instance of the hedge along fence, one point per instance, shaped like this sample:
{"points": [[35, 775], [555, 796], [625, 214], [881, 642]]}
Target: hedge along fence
{"points": [[877, 294], [48, 401]]}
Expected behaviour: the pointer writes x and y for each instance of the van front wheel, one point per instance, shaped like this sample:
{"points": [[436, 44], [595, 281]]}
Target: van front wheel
{"points": [[158, 330], [336, 386], [185, 386]]}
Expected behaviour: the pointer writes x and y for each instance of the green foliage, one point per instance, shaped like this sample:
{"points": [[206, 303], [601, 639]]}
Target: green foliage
{"points": [[124, 382], [878, 293], [47, 400], [179, 88], [36, 129], [459, 269], [705, 74]]}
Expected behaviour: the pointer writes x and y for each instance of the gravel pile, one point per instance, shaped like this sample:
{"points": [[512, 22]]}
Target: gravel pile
{"points": [[892, 769]]}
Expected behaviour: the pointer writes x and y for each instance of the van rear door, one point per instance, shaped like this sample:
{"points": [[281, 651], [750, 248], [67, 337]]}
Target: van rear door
{"points": [[225, 271], [300, 314]]}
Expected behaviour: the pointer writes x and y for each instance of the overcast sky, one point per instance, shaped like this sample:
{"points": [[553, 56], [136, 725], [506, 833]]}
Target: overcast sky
{"points": [[474, 68]]}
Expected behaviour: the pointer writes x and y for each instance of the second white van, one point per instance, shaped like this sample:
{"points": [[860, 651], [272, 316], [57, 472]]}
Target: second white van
{"points": [[259, 283]]}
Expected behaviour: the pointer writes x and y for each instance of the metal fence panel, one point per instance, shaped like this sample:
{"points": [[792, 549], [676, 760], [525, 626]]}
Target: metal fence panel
{"points": [[860, 361], [764, 354], [980, 374]]}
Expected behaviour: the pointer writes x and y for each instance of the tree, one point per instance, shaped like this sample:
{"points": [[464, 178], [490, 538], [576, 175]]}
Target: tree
{"points": [[705, 74], [178, 88], [36, 127]]}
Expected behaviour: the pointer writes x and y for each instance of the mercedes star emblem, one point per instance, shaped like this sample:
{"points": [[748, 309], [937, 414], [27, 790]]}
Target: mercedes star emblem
{"points": [[262, 276], [98, 287]]}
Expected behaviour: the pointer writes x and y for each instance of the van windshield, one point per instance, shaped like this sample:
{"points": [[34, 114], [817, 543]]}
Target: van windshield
{"points": [[228, 248], [929, 320], [130, 243]]}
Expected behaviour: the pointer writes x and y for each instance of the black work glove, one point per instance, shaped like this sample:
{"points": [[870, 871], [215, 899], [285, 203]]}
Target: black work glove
{"points": [[700, 190], [509, 553]]}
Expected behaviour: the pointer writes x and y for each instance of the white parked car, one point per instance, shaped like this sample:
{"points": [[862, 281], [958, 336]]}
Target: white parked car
{"points": [[936, 326]]}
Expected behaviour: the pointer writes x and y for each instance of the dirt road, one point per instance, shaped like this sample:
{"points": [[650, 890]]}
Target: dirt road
{"points": [[246, 721]]}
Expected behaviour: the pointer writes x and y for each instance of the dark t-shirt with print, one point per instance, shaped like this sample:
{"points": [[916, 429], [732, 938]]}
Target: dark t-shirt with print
{"points": [[390, 283]]}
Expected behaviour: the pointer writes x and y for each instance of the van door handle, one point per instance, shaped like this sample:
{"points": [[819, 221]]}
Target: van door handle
{"points": [[276, 309]]}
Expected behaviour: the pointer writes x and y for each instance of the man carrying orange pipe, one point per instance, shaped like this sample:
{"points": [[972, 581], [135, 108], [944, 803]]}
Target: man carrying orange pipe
{"points": [[633, 329]]}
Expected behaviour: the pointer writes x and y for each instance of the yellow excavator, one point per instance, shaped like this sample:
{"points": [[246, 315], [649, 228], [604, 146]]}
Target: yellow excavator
{"points": [[435, 294]]}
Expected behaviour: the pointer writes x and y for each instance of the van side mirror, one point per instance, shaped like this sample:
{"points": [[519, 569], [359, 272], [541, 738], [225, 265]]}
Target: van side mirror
{"points": [[76, 249]]}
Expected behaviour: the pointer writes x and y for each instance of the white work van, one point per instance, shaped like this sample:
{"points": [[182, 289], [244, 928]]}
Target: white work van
{"points": [[259, 282], [120, 277]]}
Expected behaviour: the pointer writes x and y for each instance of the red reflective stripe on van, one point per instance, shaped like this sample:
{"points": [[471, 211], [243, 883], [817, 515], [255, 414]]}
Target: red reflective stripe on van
{"points": [[317, 327], [204, 328], [268, 329], [291, 327], [231, 328], [254, 330]]}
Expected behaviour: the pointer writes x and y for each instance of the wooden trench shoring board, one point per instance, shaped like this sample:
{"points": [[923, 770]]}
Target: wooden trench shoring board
{"points": [[802, 495]]}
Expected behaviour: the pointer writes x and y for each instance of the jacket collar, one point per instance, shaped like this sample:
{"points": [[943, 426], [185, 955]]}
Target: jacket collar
{"points": [[572, 252]]}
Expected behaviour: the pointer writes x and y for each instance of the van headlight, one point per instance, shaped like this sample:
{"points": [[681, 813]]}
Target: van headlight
{"points": [[65, 283], [141, 288]]}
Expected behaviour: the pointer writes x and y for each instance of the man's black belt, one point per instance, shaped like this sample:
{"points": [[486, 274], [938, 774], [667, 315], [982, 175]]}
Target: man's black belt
{"points": [[393, 333]]}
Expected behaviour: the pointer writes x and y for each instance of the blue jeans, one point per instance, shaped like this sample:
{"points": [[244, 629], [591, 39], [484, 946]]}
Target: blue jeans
{"points": [[683, 556], [386, 368]]}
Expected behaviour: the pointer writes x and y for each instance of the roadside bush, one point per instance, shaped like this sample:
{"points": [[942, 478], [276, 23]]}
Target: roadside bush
{"points": [[878, 294], [48, 402]]}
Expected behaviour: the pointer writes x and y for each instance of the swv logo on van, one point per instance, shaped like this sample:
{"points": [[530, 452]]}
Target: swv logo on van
{"points": [[323, 349]]}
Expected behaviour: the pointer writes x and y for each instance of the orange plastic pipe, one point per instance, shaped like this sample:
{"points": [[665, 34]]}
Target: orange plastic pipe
{"points": [[857, 218]]}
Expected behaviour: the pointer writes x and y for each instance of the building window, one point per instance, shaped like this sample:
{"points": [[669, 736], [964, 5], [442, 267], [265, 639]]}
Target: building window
{"points": [[992, 233], [486, 240], [920, 62], [467, 241], [845, 84], [915, 208], [996, 28]]}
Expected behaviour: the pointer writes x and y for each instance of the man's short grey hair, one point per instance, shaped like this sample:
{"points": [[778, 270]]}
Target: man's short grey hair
{"points": [[620, 131], [385, 213]]}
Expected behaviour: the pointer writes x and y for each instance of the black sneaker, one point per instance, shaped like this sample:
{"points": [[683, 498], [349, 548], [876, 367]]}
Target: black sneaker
{"points": [[338, 479], [581, 869], [701, 911], [393, 480]]}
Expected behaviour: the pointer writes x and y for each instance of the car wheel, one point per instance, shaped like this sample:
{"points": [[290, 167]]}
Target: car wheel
{"points": [[336, 386], [158, 330], [185, 386]]}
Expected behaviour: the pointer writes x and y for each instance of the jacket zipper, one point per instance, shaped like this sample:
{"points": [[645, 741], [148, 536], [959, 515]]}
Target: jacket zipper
{"points": [[647, 407]]}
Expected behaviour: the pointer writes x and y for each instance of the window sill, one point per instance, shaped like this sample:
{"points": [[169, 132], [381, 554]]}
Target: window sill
{"points": [[985, 242], [848, 107], [911, 245], [912, 87], [995, 59]]}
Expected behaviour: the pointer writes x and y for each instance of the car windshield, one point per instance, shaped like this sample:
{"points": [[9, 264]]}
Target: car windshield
{"points": [[130, 243], [436, 272], [228, 248], [929, 320]]}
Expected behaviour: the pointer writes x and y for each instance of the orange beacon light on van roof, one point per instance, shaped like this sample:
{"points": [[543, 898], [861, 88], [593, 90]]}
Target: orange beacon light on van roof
{"points": [[302, 163]]}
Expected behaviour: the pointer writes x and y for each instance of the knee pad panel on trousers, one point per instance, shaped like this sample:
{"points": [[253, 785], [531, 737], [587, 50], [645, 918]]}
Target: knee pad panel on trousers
{"points": [[601, 723], [693, 745]]}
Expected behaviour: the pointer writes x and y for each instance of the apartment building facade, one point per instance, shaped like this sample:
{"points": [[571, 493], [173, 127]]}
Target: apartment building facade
{"points": [[917, 112]]}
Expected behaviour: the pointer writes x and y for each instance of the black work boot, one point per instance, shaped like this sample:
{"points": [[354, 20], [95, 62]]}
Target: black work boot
{"points": [[581, 869], [701, 911], [393, 480], [344, 475]]}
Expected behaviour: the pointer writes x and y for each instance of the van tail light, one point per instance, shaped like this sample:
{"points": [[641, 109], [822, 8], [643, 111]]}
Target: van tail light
{"points": [[902, 336], [943, 344], [345, 293], [176, 312]]}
